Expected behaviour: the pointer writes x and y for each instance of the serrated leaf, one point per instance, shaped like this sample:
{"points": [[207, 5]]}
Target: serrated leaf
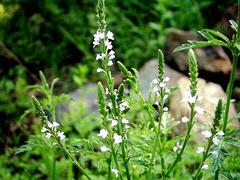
{"points": [[232, 141]]}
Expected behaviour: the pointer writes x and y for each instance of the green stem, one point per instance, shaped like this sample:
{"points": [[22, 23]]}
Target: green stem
{"points": [[230, 90], [147, 109], [110, 83], [204, 157], [53, 166], [75, 162], [179, 155]]}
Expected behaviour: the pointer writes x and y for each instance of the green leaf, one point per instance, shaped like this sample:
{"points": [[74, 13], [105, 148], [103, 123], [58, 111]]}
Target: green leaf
{"points": [[234, 25], [214, 35], [236, 117], [101, 100], [192, 44], [232, 141]]}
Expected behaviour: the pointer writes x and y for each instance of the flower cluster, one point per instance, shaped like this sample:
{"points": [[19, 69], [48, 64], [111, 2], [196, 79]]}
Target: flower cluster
{"points": [[216, 138], [50, 129], [101, 38], [158, 86]]}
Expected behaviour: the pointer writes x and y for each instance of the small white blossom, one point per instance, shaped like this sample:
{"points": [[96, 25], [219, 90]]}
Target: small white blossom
{"points": [[200, 150], [43, 130], [61, 135], [104, 149], [100, 56], [108, 44], [216, 140], [123, 106], [114, 123], [110, 63], [205, 167], [52, 125], [188, 98], [103, 133], [127, 126], [111, 55], [207, 134], [184, 119], [166, 79], [117, 138], [199, 110], [98, 36], [155, 81], [162, 84], [110, 35], [48, 135], [165, 109], [115, 171], [100, 70], [220, 133], [125, 121], [177, 147]]}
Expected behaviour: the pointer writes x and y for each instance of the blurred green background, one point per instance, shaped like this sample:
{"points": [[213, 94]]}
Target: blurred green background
{"points": [[55, 36]]}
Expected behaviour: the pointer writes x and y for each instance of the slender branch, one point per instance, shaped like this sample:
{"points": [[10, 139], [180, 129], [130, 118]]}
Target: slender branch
{"points": [[179, 155]]}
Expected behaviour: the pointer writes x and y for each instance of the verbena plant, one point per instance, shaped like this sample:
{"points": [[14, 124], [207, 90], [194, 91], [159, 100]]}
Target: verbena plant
{"points": [[128, 152]]}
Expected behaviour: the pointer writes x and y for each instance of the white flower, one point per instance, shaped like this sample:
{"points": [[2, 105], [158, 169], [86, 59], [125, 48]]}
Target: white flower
{"points": [[108, 44], [114, 123], [200, 150], [100, 70], [184, 119], [205, 167], [110, 63], [61, 135], [104, 149], [177, 147], [100, 56], [216, 140], [162, 84], [111, 55], [115, 171], [166, 79], [220, 133], [155, 81], [117, 138], [207, 134], [48, 135], [199, 110], [127, 126], [103, 133], [123, 106], [43, 130], [165, 109], [110, 35], [52, 125], [188, 98], [125, 121], [98, 36]]}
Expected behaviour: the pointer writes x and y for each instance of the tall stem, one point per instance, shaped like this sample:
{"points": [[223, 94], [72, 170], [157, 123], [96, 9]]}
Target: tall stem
{"points": [[230, 90], [179, 155]]}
